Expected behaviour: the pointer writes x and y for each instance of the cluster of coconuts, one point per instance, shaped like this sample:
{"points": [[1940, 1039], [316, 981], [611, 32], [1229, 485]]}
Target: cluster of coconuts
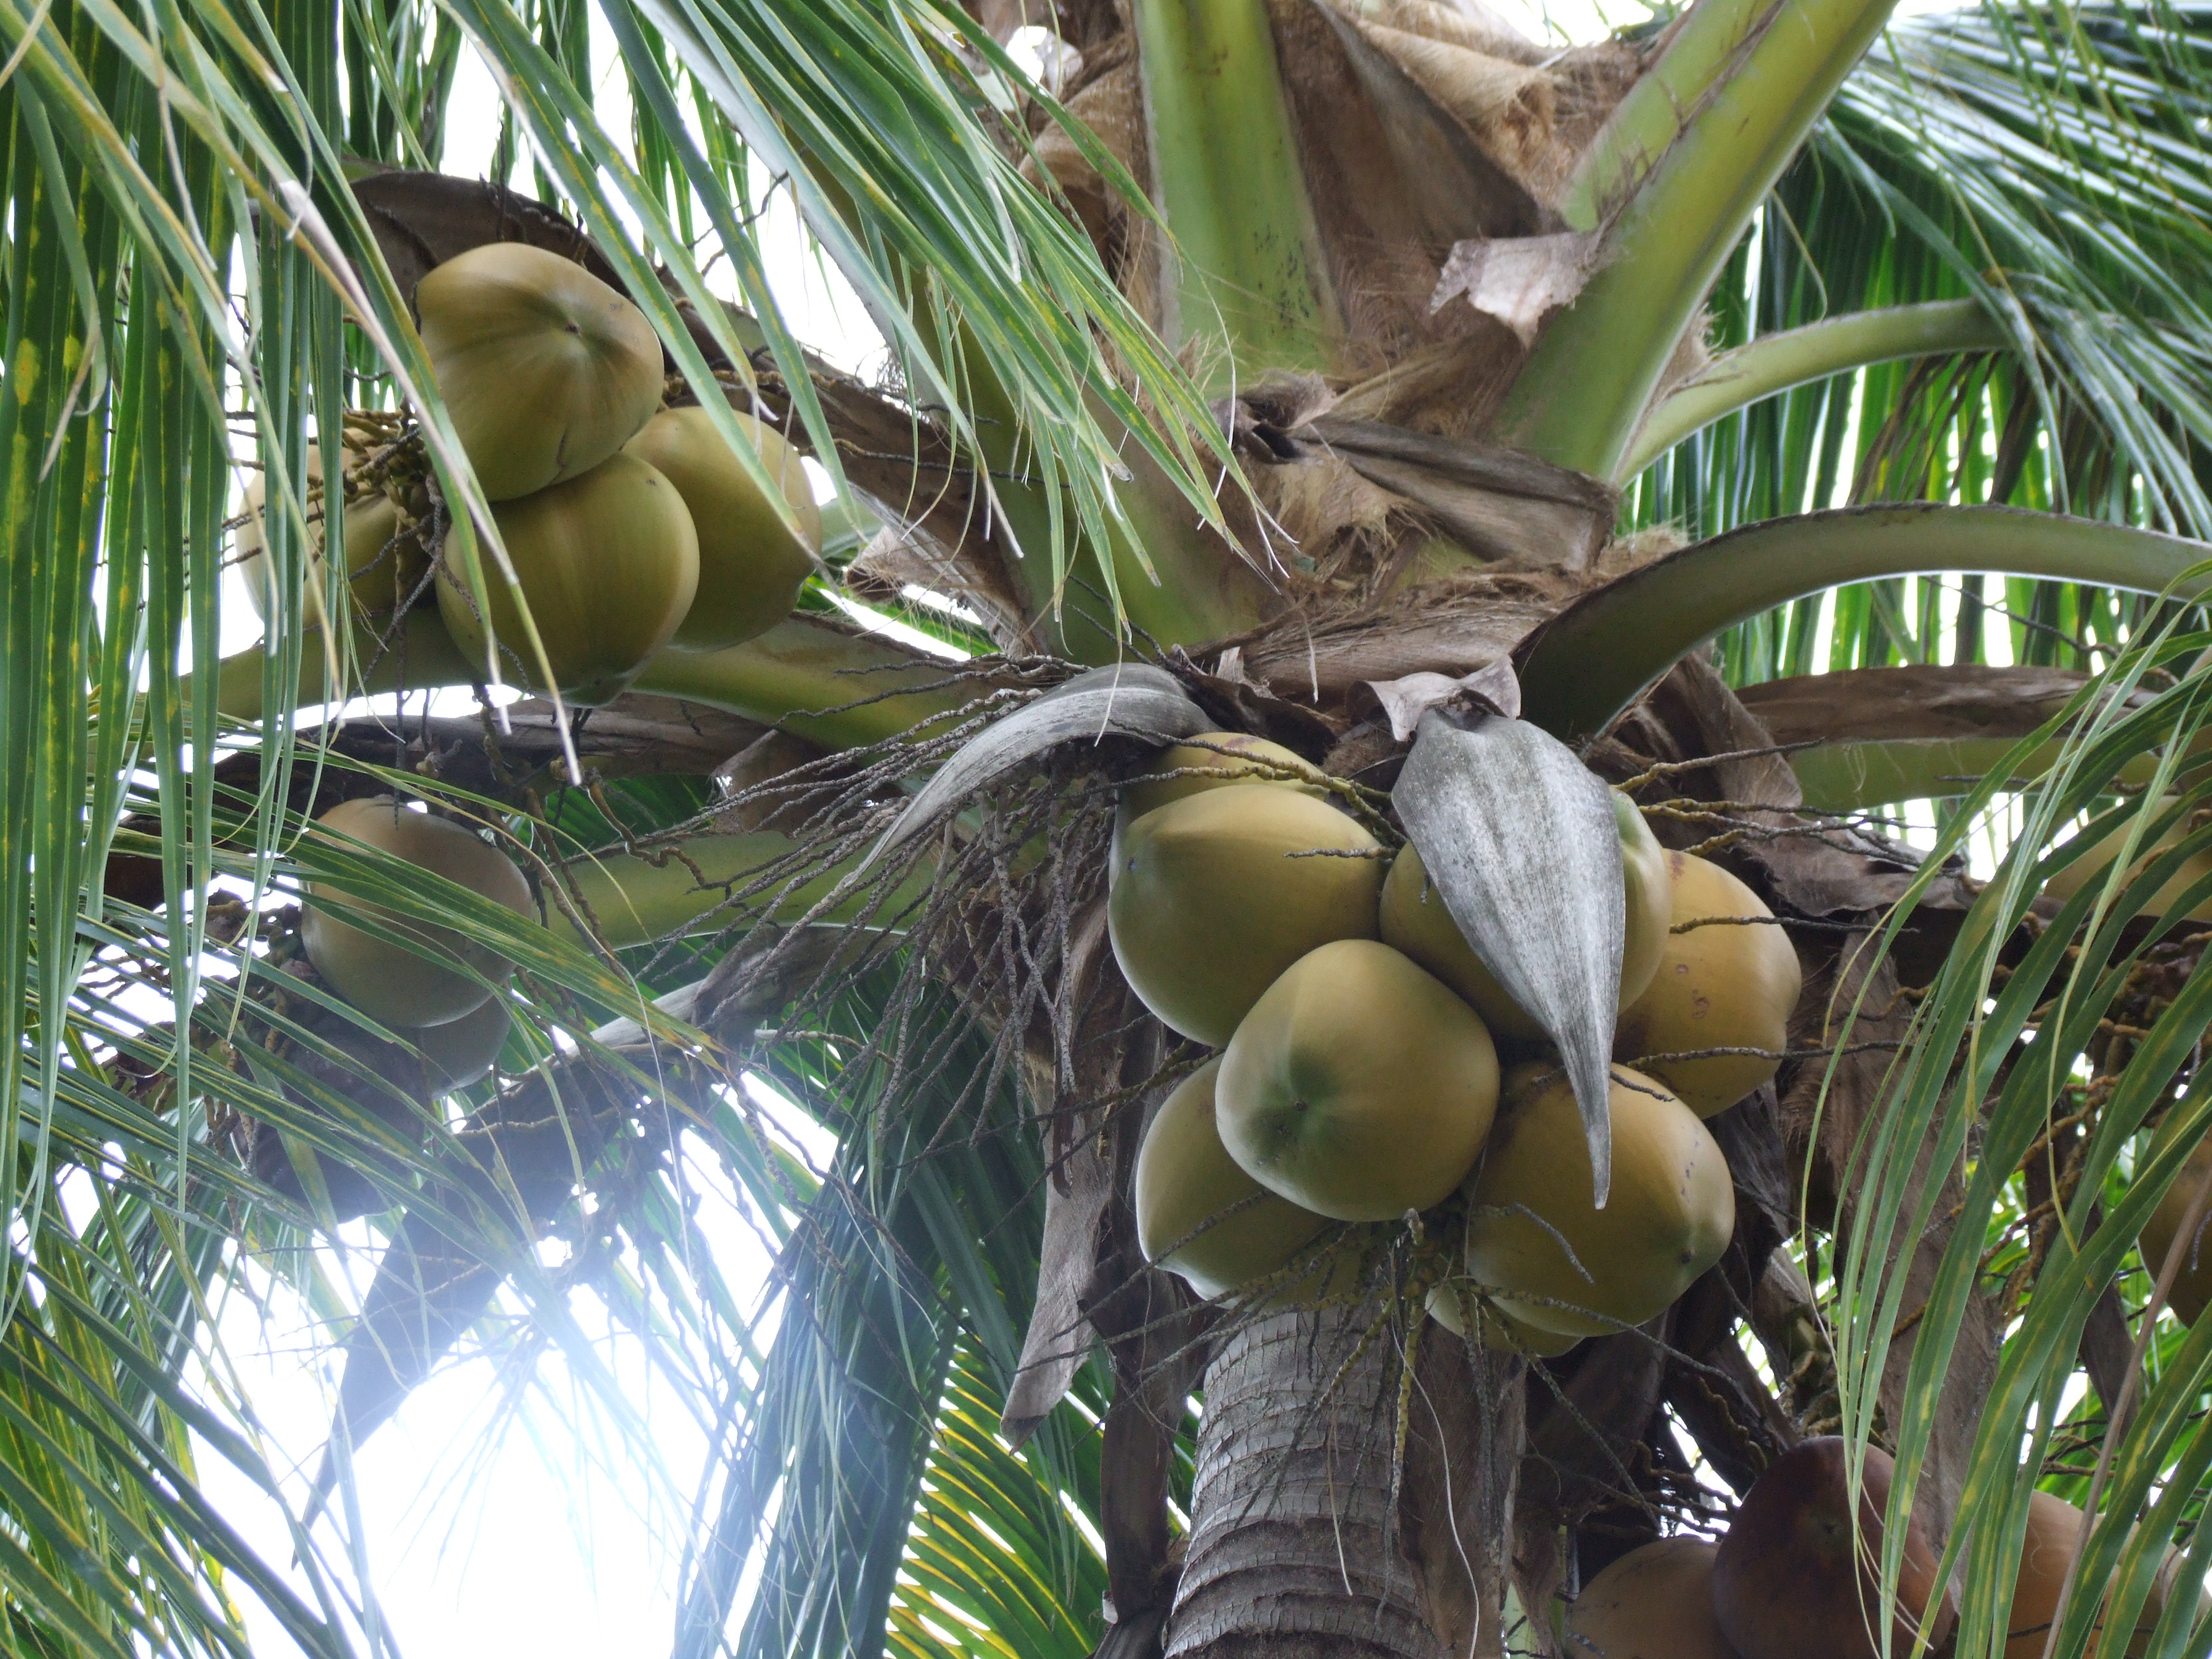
{"points": [[631, 527], [1792, 1578], [1371, 1064], [441, 996]]}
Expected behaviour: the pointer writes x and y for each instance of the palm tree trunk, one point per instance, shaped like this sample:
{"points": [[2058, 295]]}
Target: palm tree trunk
{"points": [[1295, 1550]]}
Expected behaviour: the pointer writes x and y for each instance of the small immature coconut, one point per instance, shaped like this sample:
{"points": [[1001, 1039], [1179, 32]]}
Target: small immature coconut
{"points": [[1655, 1602], [1197, 1213], [1415, 921], [547, 371], [383, 568], [393, 985], [1217, 894], [608, 562], [1793, 1580], [1358, 1087], [2192, 1283], [1669, 1217], [1728, 984], [751, 564]]}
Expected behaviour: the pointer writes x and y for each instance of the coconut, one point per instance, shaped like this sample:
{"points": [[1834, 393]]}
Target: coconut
{"points": [[1655, 1602], [383, 568], [1729, 983], [545, 369], [1792, 1580], [2094, 866], [750, 563], [1449, 1301], [1358, 1087], [1197, 1213], [2193, 1283], [1217, 894], [608, 563], [2054, 1532], [1413, 920], [1215, 760], [449, 975], [459, 1052], [1669, 1217]]}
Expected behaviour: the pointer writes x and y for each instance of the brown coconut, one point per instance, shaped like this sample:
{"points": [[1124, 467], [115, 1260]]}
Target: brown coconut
{"points": [[608, 563], [1359, 1086], [1669, 1215], [1729, 984], [1792, 1580], [1655, 1602], [750, 562], [447, 974], [1216, 895], [1413, 920], [545, 369], [1197, 1213]]}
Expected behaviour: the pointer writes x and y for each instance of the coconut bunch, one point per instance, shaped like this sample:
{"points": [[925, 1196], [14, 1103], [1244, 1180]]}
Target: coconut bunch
{"points": [[1797, 1577], [1373, 1064], [631, 527]]}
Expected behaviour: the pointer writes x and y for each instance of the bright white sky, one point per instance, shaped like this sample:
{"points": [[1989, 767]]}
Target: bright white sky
{"points": [[486, 1533]]}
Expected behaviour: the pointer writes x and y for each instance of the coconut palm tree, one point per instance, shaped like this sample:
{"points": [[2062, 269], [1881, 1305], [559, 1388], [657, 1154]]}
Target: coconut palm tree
{"points": [[1360, 375]]}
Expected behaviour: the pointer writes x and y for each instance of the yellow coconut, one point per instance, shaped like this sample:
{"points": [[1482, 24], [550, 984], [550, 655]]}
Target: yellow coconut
{"points": [[1217, 894], [461, 1051], [1727, 983], [608, 562], [1655, 1602], [432, 984], [1413, 920], [2094, 866], [1197, 1213], [1215, 760], [1668, 1219], [383, 568], [546, 370], [1494, 1329], [751, 564], [1358, 1087], [2193, 1283]]}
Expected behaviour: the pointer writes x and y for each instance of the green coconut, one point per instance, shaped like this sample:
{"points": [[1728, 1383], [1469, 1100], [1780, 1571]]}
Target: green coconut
{"points": [[1414, 919], [1669, 1217], [545, 369], [2192, 1284], [459, 1052], [2094, 866], [1494, 1329], [1358, 1087], [608, 562], [1217, 894], [1727, 983], [1197, 1213], [1655, 1602], [750, 563], [383, 568], [447, 974]]}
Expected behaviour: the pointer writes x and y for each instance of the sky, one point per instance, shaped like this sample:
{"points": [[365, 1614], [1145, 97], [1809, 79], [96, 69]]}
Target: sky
{"points": [[481, 1530]]}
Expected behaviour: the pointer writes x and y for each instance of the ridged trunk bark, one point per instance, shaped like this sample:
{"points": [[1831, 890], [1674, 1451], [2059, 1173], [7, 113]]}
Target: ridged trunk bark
{"points": [[1296, 1549]]}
